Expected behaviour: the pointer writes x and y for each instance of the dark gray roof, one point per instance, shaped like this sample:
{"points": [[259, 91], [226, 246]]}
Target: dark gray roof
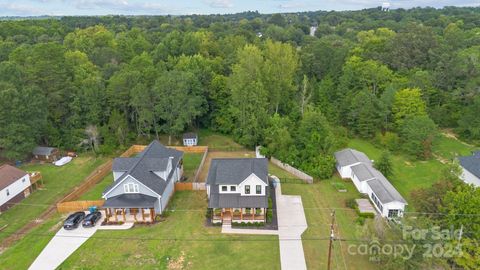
{"points": [[131, 200], [153, 158], [350, 156], [235, 200], [471, 163], [235, 170], [363, 172], [190, 135], [43, 150], [383, 189], [123, 164]]}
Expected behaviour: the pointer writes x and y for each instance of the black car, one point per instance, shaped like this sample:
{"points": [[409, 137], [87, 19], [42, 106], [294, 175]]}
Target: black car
{"points": [[91, 219], [73, 220]]}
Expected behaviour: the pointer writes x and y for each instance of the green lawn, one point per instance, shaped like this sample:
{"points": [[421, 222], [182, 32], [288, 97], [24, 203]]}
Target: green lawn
{"points": [[58, 182], [21, 254], [318, 199], [181, 239], [449, 148], [217, 140], [96, 192], [191, 161]]}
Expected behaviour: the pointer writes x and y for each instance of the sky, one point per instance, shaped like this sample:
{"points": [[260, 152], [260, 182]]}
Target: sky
{"points": [[186, 7]]}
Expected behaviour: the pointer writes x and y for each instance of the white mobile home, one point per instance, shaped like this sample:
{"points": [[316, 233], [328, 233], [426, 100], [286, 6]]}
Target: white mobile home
{"points": [[471, 168]]}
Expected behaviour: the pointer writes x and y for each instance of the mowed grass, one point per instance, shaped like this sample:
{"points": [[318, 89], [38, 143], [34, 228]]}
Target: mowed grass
{"points": [[182, 241], [95, 193], [22, 254], [58, 182], [191, 161], [318, 201], [449, 148]]}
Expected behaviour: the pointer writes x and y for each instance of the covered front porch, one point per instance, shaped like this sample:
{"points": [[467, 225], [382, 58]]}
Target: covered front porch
{"points": [[130, 208], [229, 215]]}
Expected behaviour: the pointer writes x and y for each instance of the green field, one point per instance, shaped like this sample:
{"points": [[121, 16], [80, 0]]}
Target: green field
{"points": [[191, 161], [182, 240], [58, 182]]}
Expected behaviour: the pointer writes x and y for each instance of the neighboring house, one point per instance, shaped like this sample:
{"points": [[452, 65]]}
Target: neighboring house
{"points": [[46, 153], [237, 190], [190, 139], [143, 185], [368, 180], [14, 186], [471, 168]]}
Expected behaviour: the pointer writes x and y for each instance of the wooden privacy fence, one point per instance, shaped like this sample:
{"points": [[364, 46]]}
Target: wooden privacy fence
{"points": [[301, 175], [66, 207], [189, 186], [200, 166]]}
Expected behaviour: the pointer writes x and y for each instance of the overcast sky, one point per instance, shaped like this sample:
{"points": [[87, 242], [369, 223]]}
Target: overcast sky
{"points": [[180, 7]]}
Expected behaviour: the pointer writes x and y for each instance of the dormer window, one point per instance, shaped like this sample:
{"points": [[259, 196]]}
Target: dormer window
{"points": [[258, 189], [247, 189], [233, 188], [130, 188], [224, 188]]}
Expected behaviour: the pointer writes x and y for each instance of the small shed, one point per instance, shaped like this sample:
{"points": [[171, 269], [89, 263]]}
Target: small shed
{"points": [[190, 139], [46, 153]]}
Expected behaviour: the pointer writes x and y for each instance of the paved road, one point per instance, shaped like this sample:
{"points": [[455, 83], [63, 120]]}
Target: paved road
{"points": [[291, 224], [62, 245]]}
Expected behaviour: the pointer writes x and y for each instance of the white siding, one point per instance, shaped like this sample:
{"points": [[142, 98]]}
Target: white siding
{"points": [[118, 190], [14, 189], [117, 175], [469, 178], [252, 181]]}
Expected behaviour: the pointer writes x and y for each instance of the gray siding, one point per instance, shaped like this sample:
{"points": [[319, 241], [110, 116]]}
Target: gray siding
{"points": [[167, 194], [141, 188]]}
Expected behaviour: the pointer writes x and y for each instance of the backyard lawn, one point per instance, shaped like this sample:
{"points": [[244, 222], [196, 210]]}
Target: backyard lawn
{"points": [[58, 182], [182, 241], [191, 161]]}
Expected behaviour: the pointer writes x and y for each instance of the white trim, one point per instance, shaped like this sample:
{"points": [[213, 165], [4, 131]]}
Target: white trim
{"points": [[119, 182], [258, 178]]}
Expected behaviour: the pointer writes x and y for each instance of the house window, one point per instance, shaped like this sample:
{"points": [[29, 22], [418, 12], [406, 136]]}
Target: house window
{"points": [[247, 189], [233, 188], [258, 189], [393, 213], [8, 192], [377, 202], [224, 188], [130, 188], [23, 180]]}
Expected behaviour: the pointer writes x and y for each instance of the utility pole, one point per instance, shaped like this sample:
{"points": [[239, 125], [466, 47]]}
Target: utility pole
{"points": [[332, 238]]}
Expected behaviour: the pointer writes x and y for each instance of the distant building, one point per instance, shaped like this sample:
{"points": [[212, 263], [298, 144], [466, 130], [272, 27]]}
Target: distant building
{"points": [[355, 165], [46, 153], [385, 6], [471, 168], [190, 139], [14, 186], [313, 29]]}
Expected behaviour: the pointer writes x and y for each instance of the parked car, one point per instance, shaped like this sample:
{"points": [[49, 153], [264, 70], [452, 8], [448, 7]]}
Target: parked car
{"points": [[73, 220], [91, 219]]}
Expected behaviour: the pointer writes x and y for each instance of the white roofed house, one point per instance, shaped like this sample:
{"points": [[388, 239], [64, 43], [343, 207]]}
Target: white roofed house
{"points": [[237, 190], [143, 185], [368, 180]]}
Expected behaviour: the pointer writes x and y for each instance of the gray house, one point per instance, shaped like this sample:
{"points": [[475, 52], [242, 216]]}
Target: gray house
{"points": [[144, 184], [237, 190], [471, 168]]}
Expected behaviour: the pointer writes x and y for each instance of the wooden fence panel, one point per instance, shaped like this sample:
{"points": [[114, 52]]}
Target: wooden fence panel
{"points": [[67, 207], [183, 186], [305, 177]]}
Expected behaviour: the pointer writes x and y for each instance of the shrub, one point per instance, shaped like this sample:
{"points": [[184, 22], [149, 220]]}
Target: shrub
{"points": [[339, 186], [388, 140], [351, 203], [366, 215], [360, 221], [209, 213]]}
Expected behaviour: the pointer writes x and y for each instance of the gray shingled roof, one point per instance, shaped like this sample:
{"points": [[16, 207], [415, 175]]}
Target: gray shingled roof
{"points": [[233, 171], [43, 151], [190, 135], [384, 191], [143, 165], [131, 200], [235, 200], [471, 163], [350, 156], [363, 172]]}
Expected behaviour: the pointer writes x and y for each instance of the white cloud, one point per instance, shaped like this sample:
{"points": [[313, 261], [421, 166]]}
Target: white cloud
{"points": [[220, 3], [13, 9]]}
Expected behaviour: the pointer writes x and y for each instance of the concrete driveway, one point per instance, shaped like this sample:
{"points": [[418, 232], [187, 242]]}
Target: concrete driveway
{"points": [[62, 245], [291, 225]]}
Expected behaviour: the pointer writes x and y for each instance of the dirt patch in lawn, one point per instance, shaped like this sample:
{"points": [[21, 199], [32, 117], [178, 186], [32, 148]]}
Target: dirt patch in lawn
{"points": [[220, 154]]}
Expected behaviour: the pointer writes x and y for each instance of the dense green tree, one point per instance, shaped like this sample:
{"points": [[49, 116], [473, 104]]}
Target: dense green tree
{"points": [[417, 134], [469, 123], [366, 115], [384, 164], [408, 103]]}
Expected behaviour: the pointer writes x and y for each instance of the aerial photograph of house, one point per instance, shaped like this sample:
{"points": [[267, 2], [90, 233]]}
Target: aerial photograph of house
{"points": [[144, 184], [14, 186]]}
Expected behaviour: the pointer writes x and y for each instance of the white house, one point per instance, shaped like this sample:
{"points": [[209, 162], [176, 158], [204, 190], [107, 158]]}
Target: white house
{"points": [[144, 183], [14, 186], [471, 168], [368, 180], [190, 139], [237, 189]]}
